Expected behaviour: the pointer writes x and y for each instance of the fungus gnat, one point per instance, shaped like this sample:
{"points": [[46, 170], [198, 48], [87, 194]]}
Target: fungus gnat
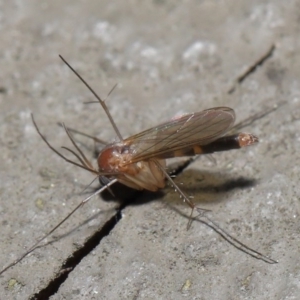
{"points": [[139, 161]]}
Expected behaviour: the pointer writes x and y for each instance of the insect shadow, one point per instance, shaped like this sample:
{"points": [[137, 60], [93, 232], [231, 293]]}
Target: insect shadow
{"points": [[208, 186], [215, 184]]}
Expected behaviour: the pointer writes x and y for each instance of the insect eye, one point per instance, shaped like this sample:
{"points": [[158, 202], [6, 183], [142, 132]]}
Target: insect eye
{"points": [[124, 150]]}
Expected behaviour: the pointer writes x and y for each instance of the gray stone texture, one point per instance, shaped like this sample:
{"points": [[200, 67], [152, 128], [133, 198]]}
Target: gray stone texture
{"points": [[168, 58]]}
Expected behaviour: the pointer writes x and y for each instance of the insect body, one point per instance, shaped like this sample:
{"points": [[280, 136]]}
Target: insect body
{"points": [[139, 160]]}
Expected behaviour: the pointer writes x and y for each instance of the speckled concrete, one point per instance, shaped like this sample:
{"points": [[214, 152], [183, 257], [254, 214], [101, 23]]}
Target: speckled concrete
{"points": [[167, 59]]}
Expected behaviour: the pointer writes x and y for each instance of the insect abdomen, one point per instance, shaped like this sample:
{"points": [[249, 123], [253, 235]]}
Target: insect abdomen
{"points": [[225, 143]]}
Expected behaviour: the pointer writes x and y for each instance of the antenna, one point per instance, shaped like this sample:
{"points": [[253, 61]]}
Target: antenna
{"points": [[98, 98]]}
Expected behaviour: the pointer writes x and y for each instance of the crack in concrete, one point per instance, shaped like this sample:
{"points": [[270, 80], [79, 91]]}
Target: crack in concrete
{"points": [[90, 244]]}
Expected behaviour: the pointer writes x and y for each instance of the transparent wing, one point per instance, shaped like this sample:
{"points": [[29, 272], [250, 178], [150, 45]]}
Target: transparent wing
{"points": [[199, 128]]}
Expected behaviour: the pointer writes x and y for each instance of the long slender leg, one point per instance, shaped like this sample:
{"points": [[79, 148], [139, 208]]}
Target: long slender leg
{"points": [[37, 244], [210, 223], [183, 196]]}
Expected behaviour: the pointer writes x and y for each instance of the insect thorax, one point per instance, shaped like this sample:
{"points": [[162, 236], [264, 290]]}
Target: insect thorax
{"points": [[117, 159]]}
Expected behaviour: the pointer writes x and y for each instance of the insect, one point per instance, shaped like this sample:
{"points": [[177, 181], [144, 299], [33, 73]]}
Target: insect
{"points": [[139, 161]]}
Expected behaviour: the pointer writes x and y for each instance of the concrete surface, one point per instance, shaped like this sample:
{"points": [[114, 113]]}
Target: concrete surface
{"points": [[168, 58]]}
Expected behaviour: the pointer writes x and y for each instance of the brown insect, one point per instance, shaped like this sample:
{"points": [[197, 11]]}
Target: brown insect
{"points": [[139, 161]]}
